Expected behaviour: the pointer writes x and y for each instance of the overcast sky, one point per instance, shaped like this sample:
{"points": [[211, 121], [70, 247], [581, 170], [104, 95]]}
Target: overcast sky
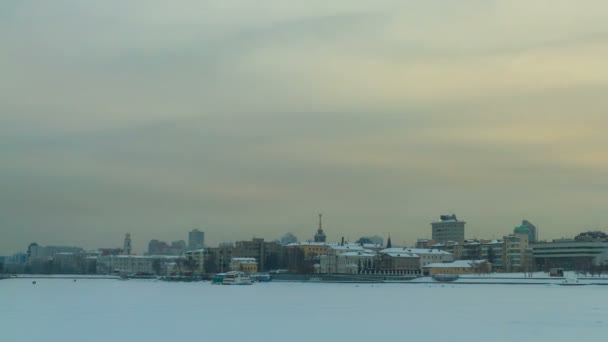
{"points": [[247, 118]]}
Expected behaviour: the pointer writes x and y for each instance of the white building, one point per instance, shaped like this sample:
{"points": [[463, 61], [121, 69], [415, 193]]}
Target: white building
{"points": [[128, 264], [248, 265], [353, 262], [427, 256], [328, 262]]}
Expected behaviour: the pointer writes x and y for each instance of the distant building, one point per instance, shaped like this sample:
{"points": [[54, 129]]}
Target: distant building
{"points": [[198, 257], [156, 247], [426, 256], [354, 262], [448, 228], [196, 239], [35, 251], [398, 261], [328, 262], [126, 249], [459, 267], [129, 264], [516, 256], [320, 235], [268, 254], [532, 231], [247, 265], [579, 254]]}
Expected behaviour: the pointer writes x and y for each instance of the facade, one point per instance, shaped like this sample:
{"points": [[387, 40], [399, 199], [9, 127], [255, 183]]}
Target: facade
{"points": [[426, 256], [301, 257], [196, 256], [156, 247], [448, 228], [36, 251], [126, 249], [532, 231], [354, 262], [398, 262], [570, 254], [129, 264], [328, 262], [515, 253], [269, 255], [196, 239], [459, 267], [247, 265]]}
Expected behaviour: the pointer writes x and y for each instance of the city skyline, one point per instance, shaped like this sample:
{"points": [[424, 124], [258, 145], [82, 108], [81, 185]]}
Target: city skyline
{"points": [[246, 119]]}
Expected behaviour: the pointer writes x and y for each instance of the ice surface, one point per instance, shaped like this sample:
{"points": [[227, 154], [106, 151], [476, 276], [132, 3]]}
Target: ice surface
{"points": [[143, 310]]}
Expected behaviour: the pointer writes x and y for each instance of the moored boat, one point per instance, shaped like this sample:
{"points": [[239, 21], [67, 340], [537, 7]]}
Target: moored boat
{"points": [[236, 278]]}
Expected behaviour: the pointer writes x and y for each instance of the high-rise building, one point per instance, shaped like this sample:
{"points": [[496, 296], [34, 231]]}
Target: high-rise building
{"points": [[126, 249], [196, 239], [532, 232], [448, 228]]}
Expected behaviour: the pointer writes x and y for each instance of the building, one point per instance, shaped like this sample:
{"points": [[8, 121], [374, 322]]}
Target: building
{"points": [[515, 253], [217, 259], [269, 255], [35, 251], [247, 265], [354, 262], [458, 267], [197, 258], [301, 257], [532, 231], [134, 264], [426, 256], [448, 228], [156, 247], [397, 261], [328, 262], [126, 249], [320, 235], [582, 253], [196, 239]]}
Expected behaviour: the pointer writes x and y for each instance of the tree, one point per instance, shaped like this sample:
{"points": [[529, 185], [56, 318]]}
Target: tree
{"points": [[363, 240], [288, 238], [156, 266], [210, 263], [491, 255]]}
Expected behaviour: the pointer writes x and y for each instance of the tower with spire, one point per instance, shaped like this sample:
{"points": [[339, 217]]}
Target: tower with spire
{"points": [[320, 235], [389, 244]]}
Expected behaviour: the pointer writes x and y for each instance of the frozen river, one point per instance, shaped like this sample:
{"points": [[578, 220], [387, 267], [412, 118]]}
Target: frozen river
{"points": [[113, 310]]}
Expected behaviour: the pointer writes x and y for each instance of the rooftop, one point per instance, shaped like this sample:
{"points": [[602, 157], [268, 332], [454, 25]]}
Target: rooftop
{"points": [[455, 264]]}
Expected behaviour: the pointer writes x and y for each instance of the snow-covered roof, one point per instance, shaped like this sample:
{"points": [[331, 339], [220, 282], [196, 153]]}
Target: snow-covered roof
{"points": [[419, 251], [455, 264], [347, 247], [244, 260], [308, 244], [363, 253], [201, 250], [402, 255]]}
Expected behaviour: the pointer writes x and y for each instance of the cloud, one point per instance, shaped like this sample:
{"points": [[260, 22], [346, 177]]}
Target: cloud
{"points": [[246, 118]]}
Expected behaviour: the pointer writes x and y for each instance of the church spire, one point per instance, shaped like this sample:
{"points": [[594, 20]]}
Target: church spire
{"points": [[320, 230], [389, 244], [320, 236]]}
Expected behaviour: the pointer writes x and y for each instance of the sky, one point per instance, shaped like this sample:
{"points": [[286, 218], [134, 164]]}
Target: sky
{"points": [[247, 118]]}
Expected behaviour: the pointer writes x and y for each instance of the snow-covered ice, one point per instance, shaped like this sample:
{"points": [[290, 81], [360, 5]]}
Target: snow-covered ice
{"points": [[142, 310]]}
